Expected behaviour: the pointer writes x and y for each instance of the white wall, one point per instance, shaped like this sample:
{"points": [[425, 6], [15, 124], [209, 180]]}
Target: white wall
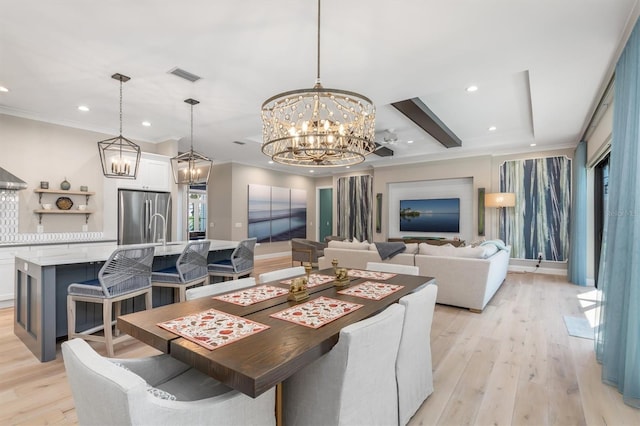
{"points": [[37, 151], [461, 188], [477, 170]]}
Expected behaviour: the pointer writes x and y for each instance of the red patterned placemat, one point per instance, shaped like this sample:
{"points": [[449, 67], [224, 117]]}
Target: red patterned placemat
{"points": [[372, 290], [371, 275], [253, 295], [317, 312], [212, 328], [314, 280]]}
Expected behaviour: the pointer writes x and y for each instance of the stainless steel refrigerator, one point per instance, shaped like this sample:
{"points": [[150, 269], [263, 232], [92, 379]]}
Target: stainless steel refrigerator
{"points": [[143, 216]]}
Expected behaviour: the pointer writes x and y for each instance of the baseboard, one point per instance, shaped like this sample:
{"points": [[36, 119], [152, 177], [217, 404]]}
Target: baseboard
{"points": [[547, 271], [272, 255], [7, 303]]}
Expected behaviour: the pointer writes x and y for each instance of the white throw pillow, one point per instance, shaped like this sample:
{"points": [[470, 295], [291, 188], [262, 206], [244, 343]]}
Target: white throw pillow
{"points": [[470, 252], [411, 248], [348, 245], [433, 250]]}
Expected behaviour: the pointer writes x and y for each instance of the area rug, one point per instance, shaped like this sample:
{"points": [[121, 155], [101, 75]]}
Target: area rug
{"points": [[579, 327]]}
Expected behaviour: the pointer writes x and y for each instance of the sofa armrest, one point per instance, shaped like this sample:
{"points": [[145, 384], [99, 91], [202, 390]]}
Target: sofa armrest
{"points": [[306, 250]]}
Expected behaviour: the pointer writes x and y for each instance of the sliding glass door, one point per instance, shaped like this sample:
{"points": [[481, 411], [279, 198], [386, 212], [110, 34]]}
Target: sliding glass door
{"points": [[600, 205]]}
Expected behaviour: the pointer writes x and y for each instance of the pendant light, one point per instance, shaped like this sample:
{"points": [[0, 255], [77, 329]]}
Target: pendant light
{"points": [[191, 168], [318, 127], [119, 156]]}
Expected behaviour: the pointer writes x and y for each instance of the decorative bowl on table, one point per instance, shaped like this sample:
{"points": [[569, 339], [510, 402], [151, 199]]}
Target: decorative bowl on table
{"points": [[64, 203]]}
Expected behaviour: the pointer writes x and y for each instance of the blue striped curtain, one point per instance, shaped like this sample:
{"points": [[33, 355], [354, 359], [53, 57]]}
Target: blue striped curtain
{"points": [[355, 207], [540, 220], [618, 335], [577, 265]]}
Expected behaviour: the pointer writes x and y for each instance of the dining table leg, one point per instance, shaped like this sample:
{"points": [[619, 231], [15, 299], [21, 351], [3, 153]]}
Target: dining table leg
{"points": [[279, 404]]}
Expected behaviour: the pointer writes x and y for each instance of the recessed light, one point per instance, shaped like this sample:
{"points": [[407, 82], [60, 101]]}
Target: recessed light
{"points": [[409, 141], [146, 124], [472, 88], [3, 89], [532, 144], [492, 128], [348, 167], [312, 171], [83, 108], [270, 161]]}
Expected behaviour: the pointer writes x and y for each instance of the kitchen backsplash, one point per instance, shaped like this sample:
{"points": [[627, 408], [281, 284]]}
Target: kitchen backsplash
{"points": [[8, 215], [9, 225]]}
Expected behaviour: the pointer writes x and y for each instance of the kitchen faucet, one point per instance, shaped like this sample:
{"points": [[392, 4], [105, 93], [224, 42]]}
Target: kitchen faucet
{"points": [[164, 227]]}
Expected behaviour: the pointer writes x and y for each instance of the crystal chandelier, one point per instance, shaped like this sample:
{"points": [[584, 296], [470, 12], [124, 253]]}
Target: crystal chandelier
{"points": [[318, 127], [119, 156], [191, 167]]}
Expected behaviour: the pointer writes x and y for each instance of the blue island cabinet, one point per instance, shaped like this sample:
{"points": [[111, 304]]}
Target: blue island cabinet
{"points": [[41, 282]]}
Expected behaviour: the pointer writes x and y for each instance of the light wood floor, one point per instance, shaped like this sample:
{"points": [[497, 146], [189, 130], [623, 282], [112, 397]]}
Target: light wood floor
{"points": [[512, 364]]}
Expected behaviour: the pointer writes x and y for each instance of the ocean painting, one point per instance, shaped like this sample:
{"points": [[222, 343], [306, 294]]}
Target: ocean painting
{"points": [[259, 206], [276, 214], [434, 215]]}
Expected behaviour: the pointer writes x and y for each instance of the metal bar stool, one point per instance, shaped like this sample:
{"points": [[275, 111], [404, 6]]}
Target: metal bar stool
{"points": [[125, 275], [190, 270], [240, 263]]}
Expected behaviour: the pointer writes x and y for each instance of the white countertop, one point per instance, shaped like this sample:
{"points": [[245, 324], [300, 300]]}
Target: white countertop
{"points": [[23, 244], [68, 256]]}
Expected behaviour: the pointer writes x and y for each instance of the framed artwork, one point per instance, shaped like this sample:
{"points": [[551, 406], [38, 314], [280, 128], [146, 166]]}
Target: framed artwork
{"points": [[276, 214]]}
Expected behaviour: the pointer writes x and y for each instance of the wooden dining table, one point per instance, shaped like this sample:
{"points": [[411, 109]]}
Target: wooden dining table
{"points": [[257, 363]]}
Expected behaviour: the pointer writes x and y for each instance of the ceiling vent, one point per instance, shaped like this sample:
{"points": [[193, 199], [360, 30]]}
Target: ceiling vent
{"points": [[179, 72], [420, 114], [239, 143], [389, 137], [383, 151]]}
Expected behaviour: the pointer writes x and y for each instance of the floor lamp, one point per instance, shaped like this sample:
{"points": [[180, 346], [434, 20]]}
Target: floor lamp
{"points": [[500, 200]]}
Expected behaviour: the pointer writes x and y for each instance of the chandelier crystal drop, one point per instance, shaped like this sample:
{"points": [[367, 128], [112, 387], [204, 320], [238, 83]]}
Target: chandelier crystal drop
{"points": [[191, 167], [318, 127], [119, 156]]}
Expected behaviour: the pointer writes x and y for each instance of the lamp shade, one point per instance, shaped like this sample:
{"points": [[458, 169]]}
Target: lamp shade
{"points": [[500, 199]]}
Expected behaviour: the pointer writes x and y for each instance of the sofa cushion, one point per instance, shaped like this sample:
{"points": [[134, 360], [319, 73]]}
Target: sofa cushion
{"points": [[448, 250], [433, 250], [471, 252], [349, 245]]}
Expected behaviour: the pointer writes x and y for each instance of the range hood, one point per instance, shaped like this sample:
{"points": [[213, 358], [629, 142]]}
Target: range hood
{"points": [[9, 181]]}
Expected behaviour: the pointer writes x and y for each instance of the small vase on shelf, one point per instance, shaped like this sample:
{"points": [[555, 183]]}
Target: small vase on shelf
{"points": [[65, 185]]}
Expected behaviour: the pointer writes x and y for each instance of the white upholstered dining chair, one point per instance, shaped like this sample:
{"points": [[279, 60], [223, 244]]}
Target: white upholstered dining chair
{"points": [[414, 372], [281, 274], [393, 268], [157, 390], [219, 288], [353, 384]]}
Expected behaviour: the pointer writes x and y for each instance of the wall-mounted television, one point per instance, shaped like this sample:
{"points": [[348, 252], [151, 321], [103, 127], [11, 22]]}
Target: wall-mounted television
{"points": [[431, 215]]}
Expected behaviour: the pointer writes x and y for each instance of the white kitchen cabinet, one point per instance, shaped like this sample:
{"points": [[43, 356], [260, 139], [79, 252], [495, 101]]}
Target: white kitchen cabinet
{"points": [[7, 276], [154, 174]]}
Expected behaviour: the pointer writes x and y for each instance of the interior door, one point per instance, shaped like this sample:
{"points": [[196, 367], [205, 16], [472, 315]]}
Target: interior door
{"points": [[325, 209]]}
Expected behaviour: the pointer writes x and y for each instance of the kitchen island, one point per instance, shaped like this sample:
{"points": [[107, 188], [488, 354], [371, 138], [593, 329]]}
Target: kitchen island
{"points": [[42, 278]]}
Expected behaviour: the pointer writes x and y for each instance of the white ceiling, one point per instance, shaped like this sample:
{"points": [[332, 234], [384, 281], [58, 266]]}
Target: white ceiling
{"points": [[540, 66]]}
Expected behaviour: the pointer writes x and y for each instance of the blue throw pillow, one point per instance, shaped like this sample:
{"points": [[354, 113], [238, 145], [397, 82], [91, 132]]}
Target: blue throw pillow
{"points": [[498, 243]]}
